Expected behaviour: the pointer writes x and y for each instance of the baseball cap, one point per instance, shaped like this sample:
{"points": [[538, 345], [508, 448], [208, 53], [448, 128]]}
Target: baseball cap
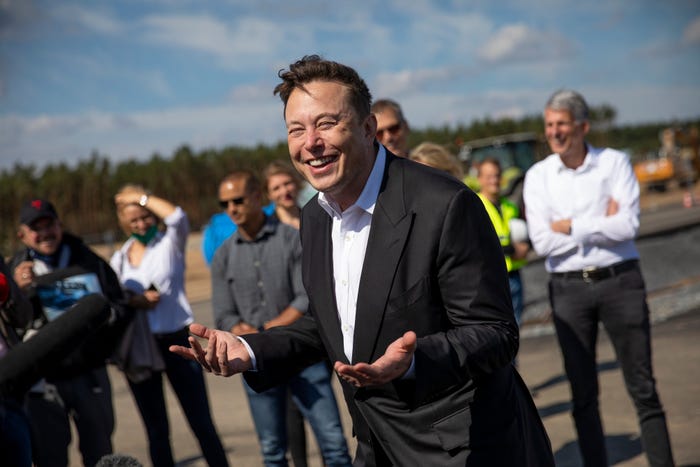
{"points": [[36, 209]]}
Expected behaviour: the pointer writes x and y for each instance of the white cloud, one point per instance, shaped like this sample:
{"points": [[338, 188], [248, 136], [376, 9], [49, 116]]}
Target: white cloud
{"points": [[101, 22], [70, 138], [233, 44], [691, 34], [519, 42], [409, 81]]}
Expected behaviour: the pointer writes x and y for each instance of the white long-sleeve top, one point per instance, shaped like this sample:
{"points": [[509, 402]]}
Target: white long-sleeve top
{"points": [[553, 192], [163, 265]]}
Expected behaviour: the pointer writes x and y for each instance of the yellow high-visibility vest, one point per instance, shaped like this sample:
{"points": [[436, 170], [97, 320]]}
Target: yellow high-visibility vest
{"points": [[500, 223]]}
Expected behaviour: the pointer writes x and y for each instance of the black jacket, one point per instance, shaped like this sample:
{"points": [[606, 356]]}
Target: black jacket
{"points": [[433, 265], [99, 346]]}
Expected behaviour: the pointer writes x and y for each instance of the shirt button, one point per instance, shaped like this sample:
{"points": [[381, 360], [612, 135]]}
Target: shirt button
{"points": [[260, 284]]}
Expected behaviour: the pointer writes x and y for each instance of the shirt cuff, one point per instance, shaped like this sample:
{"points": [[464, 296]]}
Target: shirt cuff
{"points": [[253, 361], [411, 372]]}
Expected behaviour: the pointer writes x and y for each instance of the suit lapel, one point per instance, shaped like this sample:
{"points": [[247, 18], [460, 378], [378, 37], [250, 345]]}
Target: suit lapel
{"points": [[388, 234]]}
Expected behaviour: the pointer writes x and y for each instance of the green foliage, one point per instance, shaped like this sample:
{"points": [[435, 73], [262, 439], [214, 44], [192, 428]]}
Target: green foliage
{"points": [[84, 194]]}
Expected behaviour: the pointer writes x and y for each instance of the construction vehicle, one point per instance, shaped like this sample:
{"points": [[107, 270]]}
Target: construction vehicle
{"points": [[676, 162], [516, 153]]}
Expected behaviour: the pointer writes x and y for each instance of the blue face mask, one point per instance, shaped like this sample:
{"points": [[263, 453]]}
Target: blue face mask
{"points": [[148, 236]]}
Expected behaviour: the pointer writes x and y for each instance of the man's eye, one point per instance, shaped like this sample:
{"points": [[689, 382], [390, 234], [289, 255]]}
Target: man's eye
{"points": [[326, 123], [295, 131]]}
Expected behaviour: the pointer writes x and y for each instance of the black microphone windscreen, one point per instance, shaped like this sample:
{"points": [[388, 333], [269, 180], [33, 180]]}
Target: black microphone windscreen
{"points": [[29, 361]]}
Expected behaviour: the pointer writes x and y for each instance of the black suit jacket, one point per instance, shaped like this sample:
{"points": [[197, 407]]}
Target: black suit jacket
{"points": [[433, 265]]}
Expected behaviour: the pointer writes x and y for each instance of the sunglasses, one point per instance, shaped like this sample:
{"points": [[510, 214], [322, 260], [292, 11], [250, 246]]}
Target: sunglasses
{"points": [[393, 129], [236, 201]]}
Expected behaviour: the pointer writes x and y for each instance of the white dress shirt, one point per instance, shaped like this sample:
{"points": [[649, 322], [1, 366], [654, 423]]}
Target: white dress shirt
{"points": [[349, 234], [163, 265], [553, 192]]}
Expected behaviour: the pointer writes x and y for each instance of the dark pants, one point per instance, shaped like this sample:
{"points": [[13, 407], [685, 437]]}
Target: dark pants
{"points": [[296, 434], [15, 434], [187, 381], [619, 303], [87, 399]]}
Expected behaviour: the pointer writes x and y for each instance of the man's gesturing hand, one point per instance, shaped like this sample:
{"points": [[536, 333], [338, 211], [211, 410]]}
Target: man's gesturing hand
{"points": [[224, 355], [390, 366]]}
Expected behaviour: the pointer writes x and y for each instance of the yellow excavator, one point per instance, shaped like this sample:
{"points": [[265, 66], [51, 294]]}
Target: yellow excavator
{"points": [[677, 161]]}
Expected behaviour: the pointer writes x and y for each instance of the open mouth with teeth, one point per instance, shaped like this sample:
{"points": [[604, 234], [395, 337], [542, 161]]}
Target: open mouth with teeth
{"points": [[321, 161]]}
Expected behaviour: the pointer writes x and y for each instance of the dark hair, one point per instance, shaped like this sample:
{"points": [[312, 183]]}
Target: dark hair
{"points": [[314, 68], [490, 160], [252, 182]]}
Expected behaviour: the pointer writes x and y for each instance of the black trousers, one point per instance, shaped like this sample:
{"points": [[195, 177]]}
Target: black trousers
{"points": [[87, 400], [619, 303]]}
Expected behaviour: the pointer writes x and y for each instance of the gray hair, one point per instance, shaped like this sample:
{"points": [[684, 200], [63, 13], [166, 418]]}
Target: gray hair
{"points": [[571, 101]]}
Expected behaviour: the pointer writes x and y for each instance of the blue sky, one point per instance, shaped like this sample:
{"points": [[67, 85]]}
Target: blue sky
{"points": [[129, 78]]}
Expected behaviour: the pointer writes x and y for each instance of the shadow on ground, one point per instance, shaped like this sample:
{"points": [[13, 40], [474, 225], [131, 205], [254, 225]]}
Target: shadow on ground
{"points": [[561, 378], [621, 448]]}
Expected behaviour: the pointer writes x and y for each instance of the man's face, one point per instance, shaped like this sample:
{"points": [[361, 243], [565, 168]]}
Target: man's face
{"points": [[489, 180], [392, 132], [329, 144], [564, 135], [44, 235], [240, 205], [282, 190]]}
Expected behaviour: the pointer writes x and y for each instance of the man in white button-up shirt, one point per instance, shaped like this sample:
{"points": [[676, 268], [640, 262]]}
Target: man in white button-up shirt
{"points": [[582, 208]]}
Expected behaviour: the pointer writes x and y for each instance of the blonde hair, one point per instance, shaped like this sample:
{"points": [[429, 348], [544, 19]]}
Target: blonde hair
{"points": [[280, 167], [435, 155], [131, 188]]}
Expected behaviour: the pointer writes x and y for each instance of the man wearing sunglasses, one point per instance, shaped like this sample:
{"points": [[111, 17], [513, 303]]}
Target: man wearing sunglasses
{"points": [[220, 225], [392, 127], [256, 285]]}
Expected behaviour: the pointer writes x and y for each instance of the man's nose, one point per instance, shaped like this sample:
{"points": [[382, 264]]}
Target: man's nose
{"points": [[313, 139]]}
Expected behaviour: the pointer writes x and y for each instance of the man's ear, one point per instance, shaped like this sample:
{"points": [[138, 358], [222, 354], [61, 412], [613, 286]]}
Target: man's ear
{"points": [[20, 233], [370, 126], [586, 127]]}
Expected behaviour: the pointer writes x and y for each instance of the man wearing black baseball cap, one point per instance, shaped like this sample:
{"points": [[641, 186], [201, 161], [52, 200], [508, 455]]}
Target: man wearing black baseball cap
{"points": [[79, 387]]}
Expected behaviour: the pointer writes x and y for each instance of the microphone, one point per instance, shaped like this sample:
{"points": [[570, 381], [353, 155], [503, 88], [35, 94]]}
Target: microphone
{"points": [[4, 289], [31, 360]]}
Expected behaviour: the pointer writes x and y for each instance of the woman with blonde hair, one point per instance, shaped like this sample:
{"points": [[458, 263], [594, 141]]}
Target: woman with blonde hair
{"points": [[151, 269], [282, 184], [435, 155]]}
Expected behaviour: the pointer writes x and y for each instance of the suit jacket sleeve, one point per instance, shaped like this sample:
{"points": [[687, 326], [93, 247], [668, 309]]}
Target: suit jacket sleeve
{"points": [[300, 339], [481, 335]]}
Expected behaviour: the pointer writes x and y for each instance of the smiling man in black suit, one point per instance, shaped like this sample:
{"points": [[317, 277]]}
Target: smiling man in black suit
{"points": [[409, 295]]}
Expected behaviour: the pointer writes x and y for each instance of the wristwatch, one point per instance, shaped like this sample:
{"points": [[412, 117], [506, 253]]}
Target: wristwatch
{"points": [[143, 200]]}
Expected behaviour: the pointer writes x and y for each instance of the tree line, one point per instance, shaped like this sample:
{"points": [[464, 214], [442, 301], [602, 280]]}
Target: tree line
{"points": [[84, 194]]}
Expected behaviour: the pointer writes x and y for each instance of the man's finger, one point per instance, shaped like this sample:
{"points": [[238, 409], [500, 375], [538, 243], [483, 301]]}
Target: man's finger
{"points": [[210, 356], [198, 351], [184, 352], [222, 357], [409, 341], [200, 330]]}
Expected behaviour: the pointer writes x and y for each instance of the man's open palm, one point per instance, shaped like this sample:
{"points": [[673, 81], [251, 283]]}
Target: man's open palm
{"points": [[224, 355], [390, 366]]}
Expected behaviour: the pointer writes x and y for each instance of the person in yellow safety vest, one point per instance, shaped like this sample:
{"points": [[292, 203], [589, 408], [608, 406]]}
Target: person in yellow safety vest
{"points": [[504, 214]]}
